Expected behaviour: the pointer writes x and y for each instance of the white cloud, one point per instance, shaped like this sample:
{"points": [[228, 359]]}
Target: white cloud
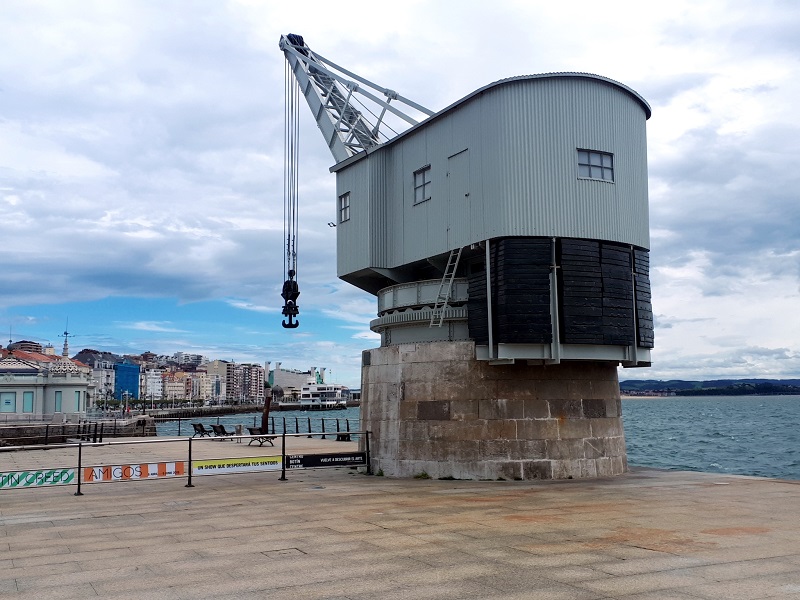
{"points": [[141, 155], [164, 327]]}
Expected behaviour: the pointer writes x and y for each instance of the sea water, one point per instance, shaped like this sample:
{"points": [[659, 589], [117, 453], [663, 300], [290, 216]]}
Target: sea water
{"points": [[296, 421], [743, 435]]}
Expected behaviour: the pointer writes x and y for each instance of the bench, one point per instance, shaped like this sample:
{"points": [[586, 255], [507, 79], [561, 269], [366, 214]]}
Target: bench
{"points": [[200, 429], [219, 431], [260, 436]]}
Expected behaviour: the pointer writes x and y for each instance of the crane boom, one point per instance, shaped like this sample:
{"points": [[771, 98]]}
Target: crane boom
{"points": [[330, 95]]}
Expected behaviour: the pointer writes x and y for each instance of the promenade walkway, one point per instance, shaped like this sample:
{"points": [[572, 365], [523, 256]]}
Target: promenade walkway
{"points": [[337, 534]]}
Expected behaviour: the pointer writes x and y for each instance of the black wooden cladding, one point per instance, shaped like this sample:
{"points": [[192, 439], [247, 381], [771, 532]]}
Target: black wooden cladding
{"points": [[520, 270], [476, 305], [644, 309], [521, 290], [599, 284]]}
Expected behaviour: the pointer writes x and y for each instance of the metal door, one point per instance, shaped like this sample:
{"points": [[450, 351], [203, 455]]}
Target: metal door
{"points": [[458, 222]]}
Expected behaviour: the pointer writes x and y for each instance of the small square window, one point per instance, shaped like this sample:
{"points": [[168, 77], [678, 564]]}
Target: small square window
{"points": [[595, 165], [422, 184], [344, 207]]}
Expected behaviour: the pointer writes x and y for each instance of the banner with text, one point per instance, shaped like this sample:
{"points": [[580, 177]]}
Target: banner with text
{"points": [[236, 465], [162, 470], [337, 459], [45, 477]]}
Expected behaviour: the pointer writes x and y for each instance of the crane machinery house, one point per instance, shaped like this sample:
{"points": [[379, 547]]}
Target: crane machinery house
{"points": [[506, 239]]}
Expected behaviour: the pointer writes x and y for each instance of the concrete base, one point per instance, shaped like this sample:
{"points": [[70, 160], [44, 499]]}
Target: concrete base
{"points": [[434, 410]]}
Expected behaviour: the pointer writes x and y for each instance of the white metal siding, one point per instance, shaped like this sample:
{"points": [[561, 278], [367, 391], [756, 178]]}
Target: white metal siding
{"points": [[521, 139], [353, 236]]}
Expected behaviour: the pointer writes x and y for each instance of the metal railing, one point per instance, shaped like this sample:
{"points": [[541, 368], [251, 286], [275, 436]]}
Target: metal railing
{"points": [[326, 426], [51, 433], [172, 468], [56, 433]]}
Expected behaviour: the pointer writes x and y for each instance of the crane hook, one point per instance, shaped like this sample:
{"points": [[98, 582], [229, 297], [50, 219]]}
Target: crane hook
{"points": [[290, 310], [290, 294]]}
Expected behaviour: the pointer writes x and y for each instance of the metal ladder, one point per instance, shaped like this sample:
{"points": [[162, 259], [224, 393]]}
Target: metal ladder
{"points": [[445, 288]]}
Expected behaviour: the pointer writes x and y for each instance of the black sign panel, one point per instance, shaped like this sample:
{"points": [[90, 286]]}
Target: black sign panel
{"points": [[338, 459]]}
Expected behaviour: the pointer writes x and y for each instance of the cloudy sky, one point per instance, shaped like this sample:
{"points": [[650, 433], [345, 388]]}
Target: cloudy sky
{"points": [[141, 165]]}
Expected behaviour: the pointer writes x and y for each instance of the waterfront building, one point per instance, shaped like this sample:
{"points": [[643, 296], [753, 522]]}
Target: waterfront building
{"points": [[293, 378], [189, 360], [225, 371], [205, 386], [126, 380], [175, 384], [153, 389], [35, 386], [253, 383], [103, 374], [26, 346]]}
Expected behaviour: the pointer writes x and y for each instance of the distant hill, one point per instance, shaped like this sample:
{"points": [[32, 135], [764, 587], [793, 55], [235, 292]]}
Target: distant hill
{"points": [[714, 387]]}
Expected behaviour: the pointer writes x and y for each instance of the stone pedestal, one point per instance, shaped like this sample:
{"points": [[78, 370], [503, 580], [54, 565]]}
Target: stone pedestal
{"points": [[434, 409]]}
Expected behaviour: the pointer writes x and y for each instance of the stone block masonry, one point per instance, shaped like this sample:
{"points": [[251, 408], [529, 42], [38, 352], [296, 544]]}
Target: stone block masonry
{"points": [[434, 409]]}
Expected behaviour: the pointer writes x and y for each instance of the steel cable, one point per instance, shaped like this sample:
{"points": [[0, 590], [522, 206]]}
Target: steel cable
{"points": [[291, 176]]}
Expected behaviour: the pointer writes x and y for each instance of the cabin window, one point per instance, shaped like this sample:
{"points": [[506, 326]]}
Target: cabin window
{"points": [[595, 165], [344, 207], [422, 184]]}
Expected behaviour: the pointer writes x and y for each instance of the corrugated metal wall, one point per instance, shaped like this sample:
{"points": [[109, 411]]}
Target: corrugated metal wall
{"points": [[353, 236], [518, 176]]}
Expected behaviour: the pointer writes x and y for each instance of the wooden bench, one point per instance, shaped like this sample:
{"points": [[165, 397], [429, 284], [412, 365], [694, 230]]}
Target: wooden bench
{"points": [[260, 436]]}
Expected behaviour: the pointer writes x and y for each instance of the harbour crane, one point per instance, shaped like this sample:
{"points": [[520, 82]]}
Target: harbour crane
{"points": [[334, 95], [506, 241]]}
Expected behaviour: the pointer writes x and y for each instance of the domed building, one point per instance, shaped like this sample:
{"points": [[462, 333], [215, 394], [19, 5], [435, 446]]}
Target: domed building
{"points": [[34, 385]]}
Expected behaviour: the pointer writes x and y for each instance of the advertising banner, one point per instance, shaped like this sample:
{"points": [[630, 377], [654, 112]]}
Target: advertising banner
{"points": [[45, 477], [127, 472], [218, 466], [338, 459]]}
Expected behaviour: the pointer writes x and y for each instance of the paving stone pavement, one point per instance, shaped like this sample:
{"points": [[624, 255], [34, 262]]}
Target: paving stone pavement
{"points": [[338, 534]]}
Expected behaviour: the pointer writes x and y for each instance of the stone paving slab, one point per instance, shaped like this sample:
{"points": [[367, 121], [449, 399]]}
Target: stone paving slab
{"points": [[337, 534]]}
